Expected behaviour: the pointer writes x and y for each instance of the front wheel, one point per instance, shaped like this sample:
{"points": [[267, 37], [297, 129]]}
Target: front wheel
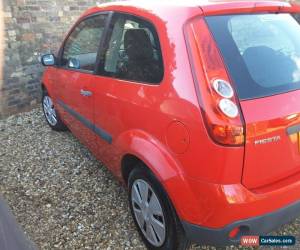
{"points": [[51, 115], [153, 213]]}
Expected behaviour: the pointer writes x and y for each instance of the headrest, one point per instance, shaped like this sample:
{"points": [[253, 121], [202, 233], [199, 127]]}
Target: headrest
{"points": [[138, 45]]}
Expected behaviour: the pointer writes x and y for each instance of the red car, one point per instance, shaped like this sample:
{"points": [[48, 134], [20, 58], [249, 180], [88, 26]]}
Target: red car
{"points": [[195, 106]]}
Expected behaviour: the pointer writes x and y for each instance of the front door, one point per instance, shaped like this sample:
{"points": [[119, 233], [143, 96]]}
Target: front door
{"points": [[76, 88]]}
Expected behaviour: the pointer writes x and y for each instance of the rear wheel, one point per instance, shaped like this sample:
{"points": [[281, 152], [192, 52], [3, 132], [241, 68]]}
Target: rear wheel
{"points": [[51, 115], [153, 213]]}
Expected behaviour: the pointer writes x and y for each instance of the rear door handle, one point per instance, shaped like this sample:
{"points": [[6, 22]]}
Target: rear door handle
{"points": [[86, 93]]}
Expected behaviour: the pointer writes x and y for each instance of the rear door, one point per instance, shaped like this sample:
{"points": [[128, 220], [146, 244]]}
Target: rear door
{"points": [[262, 53], [75, 75]]}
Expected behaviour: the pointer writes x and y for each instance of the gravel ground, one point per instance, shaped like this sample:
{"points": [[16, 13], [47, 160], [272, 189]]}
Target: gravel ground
{"points": [[61, 196]]}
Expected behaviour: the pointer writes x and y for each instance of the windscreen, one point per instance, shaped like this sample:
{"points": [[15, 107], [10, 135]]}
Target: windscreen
{"points": [[261, 51]]}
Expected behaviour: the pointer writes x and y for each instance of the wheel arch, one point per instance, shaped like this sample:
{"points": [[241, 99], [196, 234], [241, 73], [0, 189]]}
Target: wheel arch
{"points": [[43, 87], [141, 147], [128, 163]]}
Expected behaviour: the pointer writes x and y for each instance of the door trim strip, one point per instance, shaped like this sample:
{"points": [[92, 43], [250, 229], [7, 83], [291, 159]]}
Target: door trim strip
{"points": [[97, 130]]}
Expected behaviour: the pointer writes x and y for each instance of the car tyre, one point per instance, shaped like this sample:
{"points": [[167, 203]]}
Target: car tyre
{"points": [[153, 213], [51, 115]]}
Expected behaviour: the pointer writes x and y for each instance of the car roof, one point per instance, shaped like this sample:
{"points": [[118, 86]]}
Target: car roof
{"points": [[206, 7], [191, 3]]}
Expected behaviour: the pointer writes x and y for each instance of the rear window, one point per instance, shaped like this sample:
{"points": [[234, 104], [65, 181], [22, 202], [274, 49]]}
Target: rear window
{"points": [[261, 51]]}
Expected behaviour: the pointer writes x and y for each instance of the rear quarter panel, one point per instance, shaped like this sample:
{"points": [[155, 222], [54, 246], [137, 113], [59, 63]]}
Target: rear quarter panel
{"points": [[153, 108]]}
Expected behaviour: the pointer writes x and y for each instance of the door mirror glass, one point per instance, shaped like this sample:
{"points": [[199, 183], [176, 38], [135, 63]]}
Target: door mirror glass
{"points": [[48, 60], [73, 63]]}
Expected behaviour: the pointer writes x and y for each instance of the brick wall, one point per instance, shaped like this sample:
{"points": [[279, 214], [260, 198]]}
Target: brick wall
{"points": [[32, 27]]}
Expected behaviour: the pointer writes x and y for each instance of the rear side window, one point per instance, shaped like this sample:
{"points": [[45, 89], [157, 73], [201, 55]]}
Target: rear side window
{"points": [[261, 51], [81, 47], [134, 51]]}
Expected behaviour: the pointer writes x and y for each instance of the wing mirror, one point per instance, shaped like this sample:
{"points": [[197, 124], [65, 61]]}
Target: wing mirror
{"points": [[48, 60], [74, 63]]}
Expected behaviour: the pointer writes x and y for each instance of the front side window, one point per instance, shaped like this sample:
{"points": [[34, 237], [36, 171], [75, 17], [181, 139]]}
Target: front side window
{"points": [[80, 50], [261, 51], [134, 51]]}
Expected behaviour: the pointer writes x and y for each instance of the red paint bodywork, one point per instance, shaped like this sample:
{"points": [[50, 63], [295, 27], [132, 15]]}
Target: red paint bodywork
{"points": [[209, 184]]}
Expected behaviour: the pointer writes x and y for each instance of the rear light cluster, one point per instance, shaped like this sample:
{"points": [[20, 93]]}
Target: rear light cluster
{"points": [[224, 89], [218, 100]]}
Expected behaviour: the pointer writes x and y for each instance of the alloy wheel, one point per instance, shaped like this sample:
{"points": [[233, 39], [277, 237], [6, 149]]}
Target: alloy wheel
{"points": [[49, 111]]}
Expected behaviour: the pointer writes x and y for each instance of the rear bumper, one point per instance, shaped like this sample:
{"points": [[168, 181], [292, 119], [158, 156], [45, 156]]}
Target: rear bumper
{"points": [[259, 225]]}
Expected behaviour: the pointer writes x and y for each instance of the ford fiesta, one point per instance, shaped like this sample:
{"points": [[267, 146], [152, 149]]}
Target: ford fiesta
{"points": [[194, 106]]}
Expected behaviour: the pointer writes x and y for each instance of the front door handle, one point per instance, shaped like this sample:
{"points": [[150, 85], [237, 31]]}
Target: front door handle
{"points": [[86, 93]]}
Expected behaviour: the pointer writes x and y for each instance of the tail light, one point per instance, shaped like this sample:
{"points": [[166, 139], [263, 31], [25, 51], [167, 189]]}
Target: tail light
{"points": [[218, 100]]}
